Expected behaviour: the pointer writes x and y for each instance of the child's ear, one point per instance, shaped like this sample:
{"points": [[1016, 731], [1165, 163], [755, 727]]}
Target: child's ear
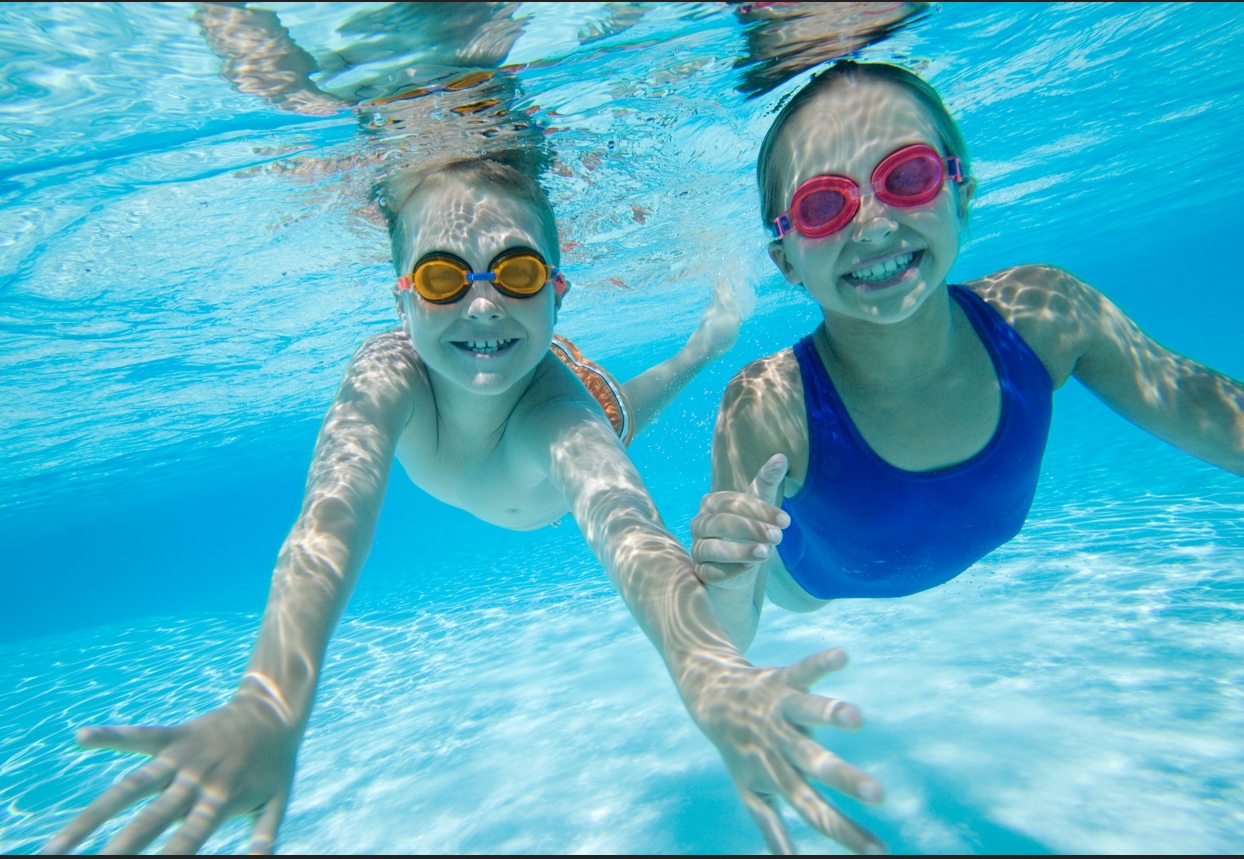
{"points": [[777, 253], [560, 289], [398, 295], [966, 190]]}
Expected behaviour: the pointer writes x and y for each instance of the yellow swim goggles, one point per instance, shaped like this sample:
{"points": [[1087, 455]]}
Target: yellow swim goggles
{"points": [[443, 278]]}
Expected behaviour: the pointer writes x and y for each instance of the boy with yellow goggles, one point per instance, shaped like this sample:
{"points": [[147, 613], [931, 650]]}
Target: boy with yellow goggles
{"points": [[485, 409]]}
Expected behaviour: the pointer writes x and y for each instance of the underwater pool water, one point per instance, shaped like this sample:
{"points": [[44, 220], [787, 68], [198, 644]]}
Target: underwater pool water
{"points": [[186, 268]]}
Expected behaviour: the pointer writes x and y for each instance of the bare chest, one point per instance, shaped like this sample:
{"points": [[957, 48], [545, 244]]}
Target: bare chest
{"points": [[483, 476]]}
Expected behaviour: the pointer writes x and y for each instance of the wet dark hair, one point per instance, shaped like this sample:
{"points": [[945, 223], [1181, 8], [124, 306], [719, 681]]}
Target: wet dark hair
{"points": [[394, 193], [772, 197]]}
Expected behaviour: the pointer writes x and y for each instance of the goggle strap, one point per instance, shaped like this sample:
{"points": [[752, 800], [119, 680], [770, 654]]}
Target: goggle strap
{"points": [[781, 225], [560, 285], [403, 283], [954, 167]]}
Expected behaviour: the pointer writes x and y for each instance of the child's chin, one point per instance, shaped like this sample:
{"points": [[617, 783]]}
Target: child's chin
{"points": [[490, 383], [495, 379]]}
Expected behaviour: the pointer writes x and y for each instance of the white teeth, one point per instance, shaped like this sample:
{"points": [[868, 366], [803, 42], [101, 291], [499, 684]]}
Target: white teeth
{"points": [[485, 347], [883, 270]]}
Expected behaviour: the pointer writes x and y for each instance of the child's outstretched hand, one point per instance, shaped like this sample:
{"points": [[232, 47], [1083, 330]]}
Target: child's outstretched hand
{"points": [[760, 719], [238, 759], [719, 326]]}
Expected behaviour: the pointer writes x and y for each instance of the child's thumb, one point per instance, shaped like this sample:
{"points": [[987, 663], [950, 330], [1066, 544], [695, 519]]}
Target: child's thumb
{"points": [[769, 479]]}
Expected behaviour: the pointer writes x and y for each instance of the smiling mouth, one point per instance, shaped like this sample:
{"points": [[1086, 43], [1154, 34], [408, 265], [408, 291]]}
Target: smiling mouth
{"points": [[885, 274], [484, 347]]}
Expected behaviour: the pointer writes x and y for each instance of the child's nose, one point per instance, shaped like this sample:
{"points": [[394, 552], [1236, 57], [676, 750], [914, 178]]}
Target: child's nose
{"points": [[873, 224], [483, 302]]}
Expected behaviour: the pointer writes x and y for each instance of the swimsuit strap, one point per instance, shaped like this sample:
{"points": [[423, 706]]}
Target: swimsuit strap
{"points": [[600, 384]]}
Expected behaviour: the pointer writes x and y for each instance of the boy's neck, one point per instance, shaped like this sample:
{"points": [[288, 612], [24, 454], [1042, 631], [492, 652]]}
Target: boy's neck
{"points": [[900, 354], [473, 415]]}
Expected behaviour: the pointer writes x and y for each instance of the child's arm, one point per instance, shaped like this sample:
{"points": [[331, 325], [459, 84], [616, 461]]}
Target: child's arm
{"points": [[239, 759], [651, 392], [761, 432], [757, 717], [1077, 331]]}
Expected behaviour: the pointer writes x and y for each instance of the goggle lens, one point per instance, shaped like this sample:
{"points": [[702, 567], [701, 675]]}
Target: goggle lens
{"points": [[437, 280], [820, 208], [912, 181], [523, 274], [824, 205]]}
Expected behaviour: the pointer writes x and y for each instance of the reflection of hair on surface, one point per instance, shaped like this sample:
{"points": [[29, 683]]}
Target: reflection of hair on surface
{"points": [[784, 39]]}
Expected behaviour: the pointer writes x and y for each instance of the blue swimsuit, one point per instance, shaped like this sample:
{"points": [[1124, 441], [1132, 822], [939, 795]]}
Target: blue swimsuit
{"points": [[861, 527]]}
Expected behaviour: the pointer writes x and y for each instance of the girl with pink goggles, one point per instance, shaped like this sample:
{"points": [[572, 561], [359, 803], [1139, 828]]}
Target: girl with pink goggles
{"points": [[906, 178]]}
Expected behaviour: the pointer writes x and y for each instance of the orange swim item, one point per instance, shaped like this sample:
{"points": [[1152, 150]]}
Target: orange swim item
{"points": [[601, 385]]}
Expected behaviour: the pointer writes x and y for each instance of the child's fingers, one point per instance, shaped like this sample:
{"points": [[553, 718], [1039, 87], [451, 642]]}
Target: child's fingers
{"points": [[263, 839], [200, 823], [728, 552], [832, 771], [138, 741], [805, 672], [769, 479], [731, 526], [812, 711], [729, 575], [744, 504], [177, 799], [823, 817], [769, 820], [140, 783]]}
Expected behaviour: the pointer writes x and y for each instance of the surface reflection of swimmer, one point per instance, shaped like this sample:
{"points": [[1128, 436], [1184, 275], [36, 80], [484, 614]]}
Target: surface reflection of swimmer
{"points": [[425, 77], [483, 415], [915, 417], [784, 39]]}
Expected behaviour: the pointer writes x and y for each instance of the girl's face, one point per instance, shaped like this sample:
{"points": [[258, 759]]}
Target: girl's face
{"points": [[485, 342], [847, 131]]}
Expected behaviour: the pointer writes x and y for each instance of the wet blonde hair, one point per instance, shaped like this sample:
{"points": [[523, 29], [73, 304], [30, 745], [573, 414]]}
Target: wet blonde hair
{"points": [[394, 193], [772, 194]]}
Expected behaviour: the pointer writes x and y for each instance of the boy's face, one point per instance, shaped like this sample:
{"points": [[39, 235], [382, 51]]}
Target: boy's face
{"points": [[485, 342], [847, 131]]}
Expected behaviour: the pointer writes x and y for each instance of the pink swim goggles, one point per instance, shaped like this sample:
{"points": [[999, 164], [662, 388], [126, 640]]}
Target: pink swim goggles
{"points": [[906, 178]]}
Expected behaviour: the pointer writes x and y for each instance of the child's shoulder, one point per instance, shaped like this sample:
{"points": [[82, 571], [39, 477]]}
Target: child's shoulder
{"points": [[555, 389], [388, 352], [762, 413], [766, 385], [1052, 309], [1030, 289], [386, 369]]}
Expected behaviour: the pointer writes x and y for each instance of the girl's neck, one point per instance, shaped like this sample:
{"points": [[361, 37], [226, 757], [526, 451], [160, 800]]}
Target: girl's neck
{"points": [[894, 355]]}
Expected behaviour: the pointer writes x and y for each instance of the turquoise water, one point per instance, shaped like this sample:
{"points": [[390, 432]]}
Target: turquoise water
{"points": [[184, 270]]}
